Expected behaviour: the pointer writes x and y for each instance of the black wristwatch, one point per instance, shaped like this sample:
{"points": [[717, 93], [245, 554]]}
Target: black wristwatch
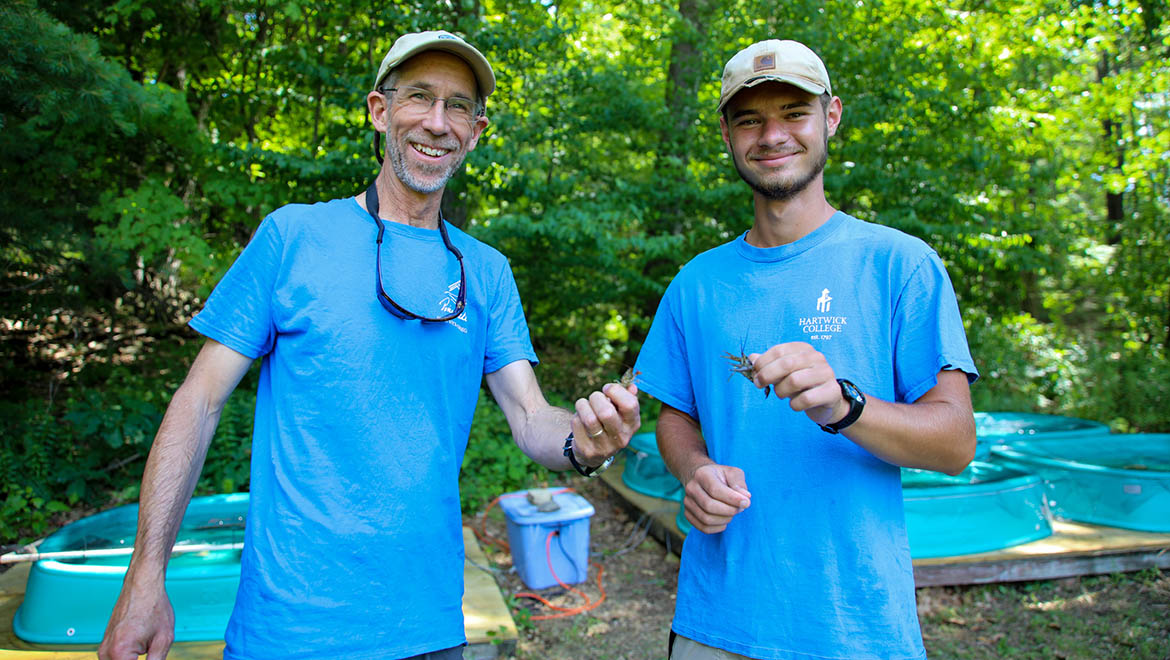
{"points": [[856, 403], [584, 470]]}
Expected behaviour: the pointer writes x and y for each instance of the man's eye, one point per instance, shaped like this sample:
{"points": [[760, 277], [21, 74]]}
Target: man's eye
{"points": [[459, 105]]}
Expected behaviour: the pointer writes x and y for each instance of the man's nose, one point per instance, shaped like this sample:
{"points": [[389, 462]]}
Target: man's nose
{"points": [[774, 132], [436, 120]]}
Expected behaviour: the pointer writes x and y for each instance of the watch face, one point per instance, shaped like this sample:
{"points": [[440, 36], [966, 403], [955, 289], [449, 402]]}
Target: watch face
{"points": [[850, 390]]}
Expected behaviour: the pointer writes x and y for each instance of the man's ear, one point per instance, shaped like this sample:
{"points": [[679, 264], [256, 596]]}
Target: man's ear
{"points": [[379, 111], [833, 115], [477, 129]]}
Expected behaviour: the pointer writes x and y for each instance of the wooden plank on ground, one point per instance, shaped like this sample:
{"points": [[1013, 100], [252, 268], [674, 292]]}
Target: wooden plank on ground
{"points": [[1074, 549], [491, 633]]}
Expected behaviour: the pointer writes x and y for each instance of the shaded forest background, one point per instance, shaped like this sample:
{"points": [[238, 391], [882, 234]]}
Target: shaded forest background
{"points": [[142, 141]]}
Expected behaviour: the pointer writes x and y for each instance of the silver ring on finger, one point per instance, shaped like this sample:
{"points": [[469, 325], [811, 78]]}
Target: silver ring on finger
{"points": [[594, 435]]}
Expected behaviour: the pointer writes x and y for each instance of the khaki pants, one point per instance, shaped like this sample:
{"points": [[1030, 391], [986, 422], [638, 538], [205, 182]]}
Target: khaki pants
{"points": [[689, 649]]}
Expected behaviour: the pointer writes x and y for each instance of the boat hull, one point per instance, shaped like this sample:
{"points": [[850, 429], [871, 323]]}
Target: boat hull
{"points": [[69, 601]]}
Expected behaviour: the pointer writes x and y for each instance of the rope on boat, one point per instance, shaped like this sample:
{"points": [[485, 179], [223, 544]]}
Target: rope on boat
{"points": [[17, 557]]}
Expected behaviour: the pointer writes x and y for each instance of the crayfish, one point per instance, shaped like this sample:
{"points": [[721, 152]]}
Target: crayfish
{"points": [[629, 377], [740, 364]]}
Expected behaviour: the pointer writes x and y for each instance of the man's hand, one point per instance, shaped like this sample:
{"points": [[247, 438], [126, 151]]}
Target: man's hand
{"points": [[605, 422], [800, 373], [142, 623], [714, 494]]}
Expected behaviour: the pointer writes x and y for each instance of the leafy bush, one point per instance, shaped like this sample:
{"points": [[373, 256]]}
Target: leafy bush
{"points": [[87, 448], [493, 463], [227, 466], [1125, 386], [1028, 366], [53, 463], [1024, 366], [29, 493]]}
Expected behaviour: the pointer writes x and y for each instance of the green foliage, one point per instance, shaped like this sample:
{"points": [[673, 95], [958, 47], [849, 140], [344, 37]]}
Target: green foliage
{"points": [[142, 141], [1028, 366], [493, 464], [53, 463], [227, 466], [1023, 366], [88, 447]]}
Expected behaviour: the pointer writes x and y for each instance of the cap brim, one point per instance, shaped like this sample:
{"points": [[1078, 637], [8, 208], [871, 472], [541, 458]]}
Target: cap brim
{"points": [[796, 81], [484, 77]]}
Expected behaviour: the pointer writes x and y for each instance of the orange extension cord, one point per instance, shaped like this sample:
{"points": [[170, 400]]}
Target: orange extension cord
{"points": [[562, 612]]}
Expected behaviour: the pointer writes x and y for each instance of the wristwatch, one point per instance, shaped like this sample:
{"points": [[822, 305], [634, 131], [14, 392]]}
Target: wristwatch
{"points": [[856, 403], [584, 470]]}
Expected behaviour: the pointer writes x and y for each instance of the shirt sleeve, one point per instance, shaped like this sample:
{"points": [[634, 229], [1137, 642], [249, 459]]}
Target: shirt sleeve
{"points": [[662, 366], [238, 314], [928, 332], [507, 338]]}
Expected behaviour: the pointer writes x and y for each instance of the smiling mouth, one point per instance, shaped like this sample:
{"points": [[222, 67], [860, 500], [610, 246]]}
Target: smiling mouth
{"points": [[429, 151], [775, 156]]}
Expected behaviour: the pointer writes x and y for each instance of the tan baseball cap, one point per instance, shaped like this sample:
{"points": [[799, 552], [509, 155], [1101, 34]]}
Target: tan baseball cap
{"points": [[784, 61], [409, 45]]}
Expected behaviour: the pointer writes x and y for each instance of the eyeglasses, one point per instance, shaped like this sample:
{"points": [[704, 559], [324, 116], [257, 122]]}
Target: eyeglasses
{"points": [[419, 100], [383, 297]]}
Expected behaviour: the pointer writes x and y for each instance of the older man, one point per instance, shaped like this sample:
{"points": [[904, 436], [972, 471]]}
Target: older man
{"points": [[376, 322], [852, 332]]}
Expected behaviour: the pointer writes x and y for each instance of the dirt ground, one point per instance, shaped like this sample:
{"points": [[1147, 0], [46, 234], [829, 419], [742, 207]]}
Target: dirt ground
{"points": [[1119, 616], [638, 575]]}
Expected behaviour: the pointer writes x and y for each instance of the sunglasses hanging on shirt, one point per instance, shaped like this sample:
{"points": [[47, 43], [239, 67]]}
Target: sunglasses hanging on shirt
{"points": [[383, 297]]}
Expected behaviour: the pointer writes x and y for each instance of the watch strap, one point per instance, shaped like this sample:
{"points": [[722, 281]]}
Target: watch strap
{"points": [[856, 401], [584, 470]]}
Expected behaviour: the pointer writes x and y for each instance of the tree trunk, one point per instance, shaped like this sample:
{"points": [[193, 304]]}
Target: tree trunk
{"points": [[1114, 201]]}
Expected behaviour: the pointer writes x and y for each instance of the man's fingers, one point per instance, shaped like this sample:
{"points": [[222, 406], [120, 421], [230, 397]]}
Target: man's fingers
{"points": [[113, 648], [159, 647], [737, 481], [624, 399], [793, 370], [805, 380], [712, 493], [606, 412], [629, 410], [826, 393], [704, 521], [590, 425], [614, 411]]}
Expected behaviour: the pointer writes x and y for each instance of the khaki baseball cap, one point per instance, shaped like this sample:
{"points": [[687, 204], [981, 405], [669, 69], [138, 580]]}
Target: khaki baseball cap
{"points": [[409, 45], [784, 61]]}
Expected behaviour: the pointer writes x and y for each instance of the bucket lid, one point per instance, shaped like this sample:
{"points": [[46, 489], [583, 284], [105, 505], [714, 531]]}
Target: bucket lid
{"points": [[522, 512]]}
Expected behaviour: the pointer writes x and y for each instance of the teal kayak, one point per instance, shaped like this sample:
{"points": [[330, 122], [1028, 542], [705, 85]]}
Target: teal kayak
{"points": [[71, 593]]}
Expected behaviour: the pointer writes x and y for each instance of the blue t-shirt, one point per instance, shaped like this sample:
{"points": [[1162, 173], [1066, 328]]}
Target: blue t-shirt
{"points": [[818, 566], [353, 547]]}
